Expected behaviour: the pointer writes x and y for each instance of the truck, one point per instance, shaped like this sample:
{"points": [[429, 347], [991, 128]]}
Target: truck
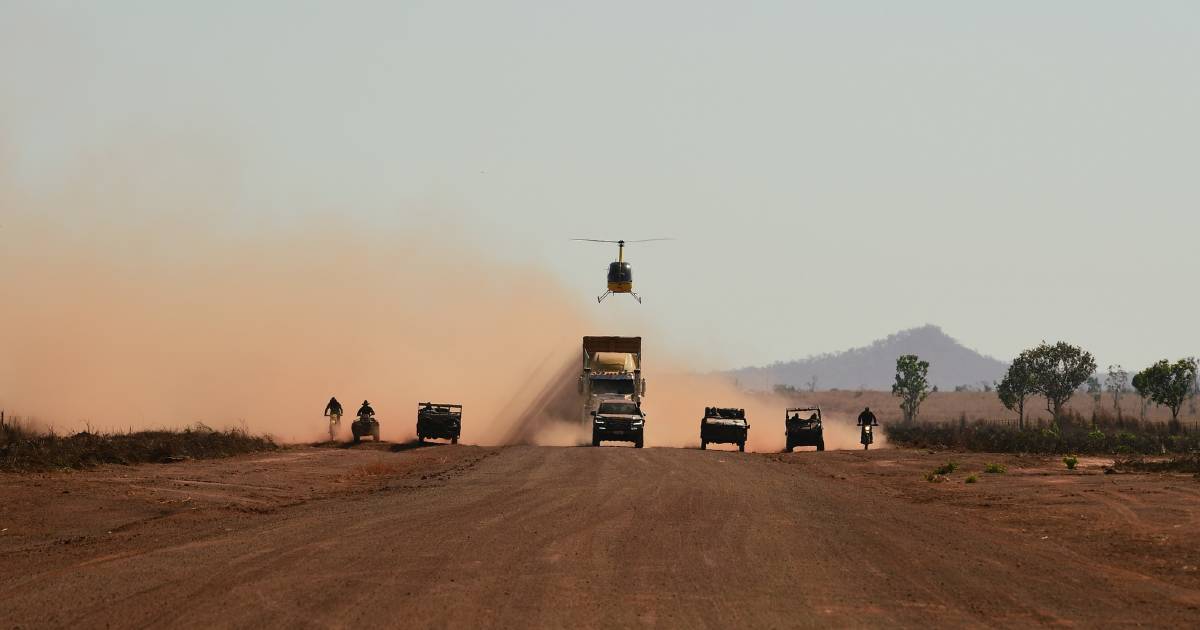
{"points": [[618, 420], [612, 370], [439, 420], [724, 425]]}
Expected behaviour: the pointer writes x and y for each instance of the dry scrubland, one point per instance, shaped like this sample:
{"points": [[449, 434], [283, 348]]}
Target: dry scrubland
{"points": [[25, 449], [949, 406]]}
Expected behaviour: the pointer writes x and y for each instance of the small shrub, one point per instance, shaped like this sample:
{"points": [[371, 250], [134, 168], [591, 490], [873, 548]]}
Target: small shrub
{"points": [[971, 479], [1071, 461], [945, 469], [995, 469]]}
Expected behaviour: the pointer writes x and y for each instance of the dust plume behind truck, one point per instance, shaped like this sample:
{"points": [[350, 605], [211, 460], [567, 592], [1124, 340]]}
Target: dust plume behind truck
{"points": [[612, 368]]}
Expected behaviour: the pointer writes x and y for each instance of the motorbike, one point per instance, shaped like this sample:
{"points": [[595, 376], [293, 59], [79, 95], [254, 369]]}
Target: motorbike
{"points": [[867, 436], [335, 423]]}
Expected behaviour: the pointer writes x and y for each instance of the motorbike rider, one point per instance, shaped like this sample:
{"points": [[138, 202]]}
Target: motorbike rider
{"points": [[334, 408], [867, 419], [366, 411]]}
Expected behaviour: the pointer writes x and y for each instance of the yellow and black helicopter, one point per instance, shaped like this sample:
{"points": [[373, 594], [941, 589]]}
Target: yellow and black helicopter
{"points": [[620, 273]]}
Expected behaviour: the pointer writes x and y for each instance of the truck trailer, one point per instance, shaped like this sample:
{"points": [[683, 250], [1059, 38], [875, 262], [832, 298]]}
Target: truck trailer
{"points": [[612, 370]]}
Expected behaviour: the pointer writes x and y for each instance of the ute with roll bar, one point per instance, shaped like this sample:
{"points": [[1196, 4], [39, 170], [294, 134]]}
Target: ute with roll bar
{"points": [[804, 427], [724, 425], [439, 421]]}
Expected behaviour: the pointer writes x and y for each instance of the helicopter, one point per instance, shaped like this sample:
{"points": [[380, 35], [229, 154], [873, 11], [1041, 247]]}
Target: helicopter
{"points": [[620, 273]]}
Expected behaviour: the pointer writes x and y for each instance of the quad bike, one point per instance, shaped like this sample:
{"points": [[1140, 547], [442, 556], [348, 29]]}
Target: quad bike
{"points": [[364, 426]]}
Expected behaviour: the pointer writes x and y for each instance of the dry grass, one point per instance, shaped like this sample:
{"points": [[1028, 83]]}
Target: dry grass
{"points": [[1189, 463], [26, 450], [953, 406], [381, 469], [1070, 435]]}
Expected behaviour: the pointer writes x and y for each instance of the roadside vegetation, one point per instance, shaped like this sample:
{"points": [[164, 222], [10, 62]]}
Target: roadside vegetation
{"points": [[1053, 374], [23, 449], [1189, 463], [1071, 435]]}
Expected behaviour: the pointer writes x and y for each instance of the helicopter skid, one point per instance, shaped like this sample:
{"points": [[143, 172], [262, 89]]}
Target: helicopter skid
{"points": [[600, 298]]}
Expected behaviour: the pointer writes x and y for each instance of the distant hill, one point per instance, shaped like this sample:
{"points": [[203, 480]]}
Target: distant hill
{"points": [[874, 366]]}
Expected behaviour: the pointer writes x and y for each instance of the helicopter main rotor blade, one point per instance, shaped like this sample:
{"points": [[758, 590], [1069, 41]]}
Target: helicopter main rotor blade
{"points": [[644, 240]]}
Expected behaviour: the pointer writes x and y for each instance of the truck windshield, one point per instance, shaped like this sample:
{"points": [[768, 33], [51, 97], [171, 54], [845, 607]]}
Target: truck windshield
{"points": [[615, 387], [619, 408]]}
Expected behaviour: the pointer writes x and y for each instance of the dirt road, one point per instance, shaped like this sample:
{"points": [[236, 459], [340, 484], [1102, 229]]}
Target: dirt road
{"points": [[459, 536]]}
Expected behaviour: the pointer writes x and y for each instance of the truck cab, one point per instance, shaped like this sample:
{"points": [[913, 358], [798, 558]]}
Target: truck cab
{"points": [[618, 420]]}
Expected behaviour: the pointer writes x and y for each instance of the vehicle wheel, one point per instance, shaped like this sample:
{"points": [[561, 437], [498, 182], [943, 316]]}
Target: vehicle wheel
{"points": [[742, 447], [703, 445], [420, 439], [356, 439], [637, 444], [789, 448], [454, 440], [821, 445], [595, 440]]}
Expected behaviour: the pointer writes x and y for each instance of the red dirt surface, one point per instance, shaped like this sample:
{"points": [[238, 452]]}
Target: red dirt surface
{"points": [[523, 536]]}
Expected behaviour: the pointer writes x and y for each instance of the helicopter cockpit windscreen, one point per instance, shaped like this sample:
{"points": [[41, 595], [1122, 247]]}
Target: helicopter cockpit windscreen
{"points": [[620, 272]]}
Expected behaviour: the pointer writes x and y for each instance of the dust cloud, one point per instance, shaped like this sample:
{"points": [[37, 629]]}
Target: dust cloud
{"points": [[675, 402], [132, 301], [137, 297]]}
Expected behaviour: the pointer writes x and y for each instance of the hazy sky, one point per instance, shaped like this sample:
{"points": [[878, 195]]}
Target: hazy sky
{"points": [[834, 171]]}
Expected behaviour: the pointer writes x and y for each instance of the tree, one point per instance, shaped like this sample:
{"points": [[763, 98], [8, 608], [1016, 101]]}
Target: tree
{"points": [[1191, 405], [782, 389], [1016, 387], [1058, 370], [1169, 384], [1116, 384], [912, 386], [812, 384], [1142, 387], [1096, 391]]}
